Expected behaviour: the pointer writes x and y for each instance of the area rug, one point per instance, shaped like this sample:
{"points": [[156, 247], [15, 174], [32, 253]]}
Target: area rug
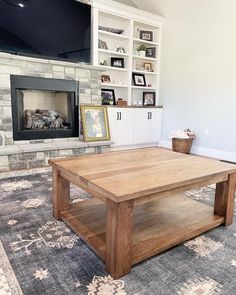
{"points": [[42, 256]]}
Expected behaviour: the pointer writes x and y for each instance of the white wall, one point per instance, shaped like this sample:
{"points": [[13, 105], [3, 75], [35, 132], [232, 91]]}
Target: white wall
{"points": [[198, 76]]}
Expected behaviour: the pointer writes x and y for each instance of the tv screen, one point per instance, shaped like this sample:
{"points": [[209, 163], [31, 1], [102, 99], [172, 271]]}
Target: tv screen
{"points": [[56, 29]]}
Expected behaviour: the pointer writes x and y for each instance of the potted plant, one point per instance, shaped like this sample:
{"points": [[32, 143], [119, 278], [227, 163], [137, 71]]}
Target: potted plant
{"points": [[141, 50]]}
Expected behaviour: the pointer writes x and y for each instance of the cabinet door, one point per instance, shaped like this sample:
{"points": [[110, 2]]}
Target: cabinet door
{"points": [[141, 121], [112, 118], [125, 126], [154, 125], [121, 125]]}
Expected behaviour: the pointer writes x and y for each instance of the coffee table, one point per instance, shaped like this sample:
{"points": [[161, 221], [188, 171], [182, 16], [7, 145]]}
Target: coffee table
{"points": [[137, 210]]}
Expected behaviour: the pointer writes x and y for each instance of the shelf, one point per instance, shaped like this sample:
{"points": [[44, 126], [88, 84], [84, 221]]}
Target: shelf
{"points": [[145, 42], [114, 85], [116, 36], [154, 59], [158, 225], [145, 72], [143, 87], [112, 68], [111, 52]]}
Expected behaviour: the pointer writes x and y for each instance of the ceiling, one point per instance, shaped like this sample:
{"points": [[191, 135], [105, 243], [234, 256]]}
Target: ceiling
{"points": [[161, 7]]}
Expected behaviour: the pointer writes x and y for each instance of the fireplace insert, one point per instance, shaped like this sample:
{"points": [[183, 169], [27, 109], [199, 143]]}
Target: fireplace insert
{"points": [[44, 108]]}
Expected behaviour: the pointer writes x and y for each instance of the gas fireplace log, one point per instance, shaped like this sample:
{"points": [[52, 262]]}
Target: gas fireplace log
{"points": [[57, 124], [28, 119], [51, 113], [44, 119]]}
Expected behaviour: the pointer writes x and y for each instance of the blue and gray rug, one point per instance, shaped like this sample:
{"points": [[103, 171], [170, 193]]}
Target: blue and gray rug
{"points": [[41, 256]]}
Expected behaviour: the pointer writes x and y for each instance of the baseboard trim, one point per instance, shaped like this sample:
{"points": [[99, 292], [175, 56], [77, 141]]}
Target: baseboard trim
{"points": [[198, 150]]}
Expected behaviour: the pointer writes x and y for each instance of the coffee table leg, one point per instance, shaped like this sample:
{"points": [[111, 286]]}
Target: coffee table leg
{"points": [[119, 227], [224, 198], [61, 193]]}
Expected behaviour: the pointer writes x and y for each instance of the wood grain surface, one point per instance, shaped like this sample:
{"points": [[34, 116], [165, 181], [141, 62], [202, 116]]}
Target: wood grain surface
{"points": [[126, 175], [156, 226]]}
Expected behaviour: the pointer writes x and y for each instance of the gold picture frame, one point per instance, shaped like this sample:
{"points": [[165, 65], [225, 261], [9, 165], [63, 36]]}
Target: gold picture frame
{"points": [[95, 123]]}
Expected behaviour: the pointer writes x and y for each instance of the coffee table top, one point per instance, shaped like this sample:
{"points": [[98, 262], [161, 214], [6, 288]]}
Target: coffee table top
{"points": [[130, 174]]}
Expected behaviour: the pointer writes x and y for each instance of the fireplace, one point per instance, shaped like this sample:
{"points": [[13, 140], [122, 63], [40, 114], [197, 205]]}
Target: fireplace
{"points": [[44, 108]]}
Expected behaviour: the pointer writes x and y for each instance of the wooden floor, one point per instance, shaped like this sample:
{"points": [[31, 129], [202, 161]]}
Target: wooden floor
{"points": [[159, 224]]}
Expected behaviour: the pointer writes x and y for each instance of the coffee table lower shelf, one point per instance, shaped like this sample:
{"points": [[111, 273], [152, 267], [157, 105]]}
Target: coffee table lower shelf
{"points": [[158, 225]]}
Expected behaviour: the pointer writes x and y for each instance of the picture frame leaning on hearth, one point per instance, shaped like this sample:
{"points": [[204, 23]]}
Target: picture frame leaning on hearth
{"points": [[95, 123]]}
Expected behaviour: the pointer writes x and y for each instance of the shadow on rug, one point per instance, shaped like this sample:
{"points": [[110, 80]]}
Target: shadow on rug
{"points": [[48, 258]]}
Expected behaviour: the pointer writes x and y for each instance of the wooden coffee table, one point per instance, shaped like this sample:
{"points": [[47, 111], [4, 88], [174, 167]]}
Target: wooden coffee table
{"points": [[137, 210]]}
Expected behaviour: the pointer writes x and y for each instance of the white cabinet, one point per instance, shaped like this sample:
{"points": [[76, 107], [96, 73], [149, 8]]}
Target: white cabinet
{"points": [[141, 117], [147, 125], [121, 125], [135, 126], [154, 125]]}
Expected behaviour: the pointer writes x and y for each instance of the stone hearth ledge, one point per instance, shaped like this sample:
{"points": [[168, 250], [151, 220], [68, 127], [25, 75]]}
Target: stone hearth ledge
{"points": [[18, 156]]}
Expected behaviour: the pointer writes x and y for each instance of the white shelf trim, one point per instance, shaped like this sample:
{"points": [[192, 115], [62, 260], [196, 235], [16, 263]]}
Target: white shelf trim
{"points": [[145, 58], [144, 72], [112, 68], [114, 85], [144, 41], [143, 87], [118, 36], [111, 52]]}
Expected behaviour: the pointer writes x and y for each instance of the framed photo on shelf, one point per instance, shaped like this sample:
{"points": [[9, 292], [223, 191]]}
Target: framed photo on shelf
{"points": [[105, 79], [117, 62], [95, 123], [108, 96], [139, 66], [151, 52], [148, 66], [149, 98], [146, 35], [139, 79]]}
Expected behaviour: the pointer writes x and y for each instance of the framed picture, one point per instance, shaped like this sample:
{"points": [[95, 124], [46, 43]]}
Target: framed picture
{"points": [[108, 97], [139, 79], [95, 123], [105, 79], [151, 52], [149, 98], [117, 62], [146, 35], [139, 66], [148, 66]]}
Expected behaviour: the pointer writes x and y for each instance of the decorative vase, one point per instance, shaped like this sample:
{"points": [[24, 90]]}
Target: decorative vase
{"points": [[142, 53]]}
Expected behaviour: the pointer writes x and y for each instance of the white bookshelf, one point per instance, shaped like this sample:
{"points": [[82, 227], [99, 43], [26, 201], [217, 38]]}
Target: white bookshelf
{"points": [[131, 21]]}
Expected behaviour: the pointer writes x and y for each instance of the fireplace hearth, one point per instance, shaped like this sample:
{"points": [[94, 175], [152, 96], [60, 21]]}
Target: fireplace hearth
{"points": [[44, 108]]}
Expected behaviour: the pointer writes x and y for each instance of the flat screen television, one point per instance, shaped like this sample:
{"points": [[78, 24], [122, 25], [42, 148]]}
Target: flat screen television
{"points": [[53, 29]]}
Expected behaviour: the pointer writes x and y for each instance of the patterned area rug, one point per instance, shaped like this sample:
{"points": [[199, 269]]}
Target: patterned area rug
{"points": [[41, 256]]}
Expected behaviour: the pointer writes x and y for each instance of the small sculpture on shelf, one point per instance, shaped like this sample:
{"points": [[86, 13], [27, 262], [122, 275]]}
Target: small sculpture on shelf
{"points": [[120, 50]]}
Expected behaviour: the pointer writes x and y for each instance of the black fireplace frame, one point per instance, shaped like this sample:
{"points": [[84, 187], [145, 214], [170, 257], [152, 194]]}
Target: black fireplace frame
{"points": [[37, 83]]}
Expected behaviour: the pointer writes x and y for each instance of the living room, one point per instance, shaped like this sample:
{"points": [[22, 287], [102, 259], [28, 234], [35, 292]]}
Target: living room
{"points": [[117, 160]]}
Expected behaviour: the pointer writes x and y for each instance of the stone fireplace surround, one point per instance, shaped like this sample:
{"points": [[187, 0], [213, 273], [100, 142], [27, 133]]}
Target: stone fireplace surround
{"points": [[35, 153]]}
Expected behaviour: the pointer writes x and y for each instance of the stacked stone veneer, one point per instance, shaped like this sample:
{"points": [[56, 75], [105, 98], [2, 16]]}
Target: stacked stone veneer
{"points": [[18, 154]]}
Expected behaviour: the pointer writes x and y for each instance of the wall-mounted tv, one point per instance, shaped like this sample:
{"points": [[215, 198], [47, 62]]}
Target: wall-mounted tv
{"points": [[54, 29]]}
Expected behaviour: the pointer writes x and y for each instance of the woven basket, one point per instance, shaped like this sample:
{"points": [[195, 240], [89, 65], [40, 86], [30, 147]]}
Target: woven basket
{"points": [[182, 145]]}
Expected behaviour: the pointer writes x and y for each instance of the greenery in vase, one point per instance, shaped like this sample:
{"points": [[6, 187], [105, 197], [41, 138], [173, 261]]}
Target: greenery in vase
{"points": [[142, 47]]}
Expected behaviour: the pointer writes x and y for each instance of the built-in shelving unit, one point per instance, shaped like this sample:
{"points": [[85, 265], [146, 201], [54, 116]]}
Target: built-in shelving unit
{"points": [[118, 31]]}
